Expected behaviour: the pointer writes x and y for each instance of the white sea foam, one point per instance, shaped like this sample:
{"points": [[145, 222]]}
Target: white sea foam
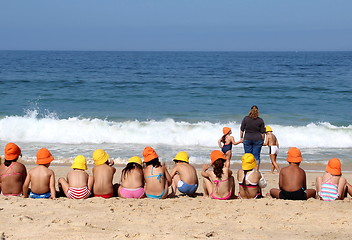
{"points": [[76, 130]]}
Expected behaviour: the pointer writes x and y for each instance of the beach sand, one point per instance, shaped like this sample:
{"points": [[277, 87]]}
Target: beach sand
{"points": [[178, 218]]}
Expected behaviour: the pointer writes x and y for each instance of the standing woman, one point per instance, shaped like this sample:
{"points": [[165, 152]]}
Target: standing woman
{"points": [[252, 133]]}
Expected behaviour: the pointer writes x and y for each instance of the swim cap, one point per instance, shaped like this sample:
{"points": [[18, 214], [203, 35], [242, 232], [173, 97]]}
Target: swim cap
{"points": [[215, 155], [149, 154], [135, 159], [334, 166], [12, 151], [248, 161], [268, 129], [294, 155], [44, 156], [182, 156], [226, 130], [80, 163], [100, 157]]}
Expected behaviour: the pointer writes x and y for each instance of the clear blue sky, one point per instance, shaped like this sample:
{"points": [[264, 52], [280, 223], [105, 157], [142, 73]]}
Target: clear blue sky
{"points": [[189, 25]]}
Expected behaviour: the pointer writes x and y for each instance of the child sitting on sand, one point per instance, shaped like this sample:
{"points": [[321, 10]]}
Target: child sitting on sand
{"points": [[103, 174], [249, 178], [184, 175], [12, 173], [132, 180], [225, 143], [219, 182], [273, 144], [292, 179], [157, 178], [332, 186], [79, 184], [41, 178]]}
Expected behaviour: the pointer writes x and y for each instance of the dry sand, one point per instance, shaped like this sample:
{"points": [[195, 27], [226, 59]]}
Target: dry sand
{"points": [[179, 218]]}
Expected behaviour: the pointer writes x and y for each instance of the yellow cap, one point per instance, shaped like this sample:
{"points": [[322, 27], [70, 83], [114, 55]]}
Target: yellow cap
{"points": [[100, 157], [182, 156], [135, 159], [80, 163], [248, 161], [268, 129]]}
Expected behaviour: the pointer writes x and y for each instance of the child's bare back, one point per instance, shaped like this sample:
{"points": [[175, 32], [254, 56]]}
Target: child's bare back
{"points": [[77, 178], [40, 179], [103, 176], [271, 139]]}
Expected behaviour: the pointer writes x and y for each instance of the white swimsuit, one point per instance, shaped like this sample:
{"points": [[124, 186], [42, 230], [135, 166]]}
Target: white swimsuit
{"points": [[273, 150]]}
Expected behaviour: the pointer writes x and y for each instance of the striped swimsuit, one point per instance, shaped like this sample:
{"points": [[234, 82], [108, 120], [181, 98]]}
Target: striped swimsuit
{"points": [[78, 193], [328, 191]]}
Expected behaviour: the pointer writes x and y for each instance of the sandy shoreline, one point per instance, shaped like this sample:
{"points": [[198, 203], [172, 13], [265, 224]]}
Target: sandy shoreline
{"points": [[178, 218]]}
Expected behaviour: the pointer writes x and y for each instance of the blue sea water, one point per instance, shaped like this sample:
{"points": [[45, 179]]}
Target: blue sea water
{"points": [[75, 102]]}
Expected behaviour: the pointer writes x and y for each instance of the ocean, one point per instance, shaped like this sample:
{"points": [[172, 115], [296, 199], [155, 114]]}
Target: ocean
{"points": [[73, 102]]}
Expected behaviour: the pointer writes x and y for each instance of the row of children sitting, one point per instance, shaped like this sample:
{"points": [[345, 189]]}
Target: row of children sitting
{"points": [[153, 179]]}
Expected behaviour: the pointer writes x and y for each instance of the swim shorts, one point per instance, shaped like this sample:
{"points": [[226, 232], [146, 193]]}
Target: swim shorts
{"points": [[42, 195], [273, 150], [186, 188], [296, 195]]}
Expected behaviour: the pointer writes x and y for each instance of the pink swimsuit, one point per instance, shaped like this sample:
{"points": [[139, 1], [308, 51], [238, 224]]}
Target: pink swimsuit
{"points": [[132, 193], [223, 198], [217, 182]]}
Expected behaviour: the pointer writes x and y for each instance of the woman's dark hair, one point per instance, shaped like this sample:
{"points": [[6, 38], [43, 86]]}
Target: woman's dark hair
{"points": [[244, 185], [254, 112], [129, 167], [218, 166], [155, 162], [8, 162]]}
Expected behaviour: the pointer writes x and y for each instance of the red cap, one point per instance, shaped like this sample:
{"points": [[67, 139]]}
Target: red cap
{"points": [[12, 151], [44, 156], [149, 154], [215, 155], [294, 155], [334, 166]]}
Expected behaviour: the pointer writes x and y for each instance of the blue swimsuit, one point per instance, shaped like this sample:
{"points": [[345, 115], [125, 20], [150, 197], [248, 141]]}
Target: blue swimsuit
{"points": [[227, 147], [158, 176], [42, 195]]}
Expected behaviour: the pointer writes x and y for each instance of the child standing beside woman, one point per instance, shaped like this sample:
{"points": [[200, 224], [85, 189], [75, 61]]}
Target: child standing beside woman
{"points": [[273, 144], [226, 142]]}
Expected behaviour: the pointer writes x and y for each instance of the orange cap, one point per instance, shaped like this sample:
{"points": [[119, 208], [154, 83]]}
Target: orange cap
{"points": [[12, 151], [215, 155], [334, 166], [226, 130], [294, 155], [149, 154], [44, 156]]}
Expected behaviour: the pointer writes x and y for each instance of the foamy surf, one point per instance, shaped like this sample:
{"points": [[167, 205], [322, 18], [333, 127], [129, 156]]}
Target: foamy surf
{"points": [[75, 130]]}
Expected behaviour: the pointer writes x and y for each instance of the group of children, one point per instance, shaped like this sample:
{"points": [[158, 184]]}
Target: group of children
{"points": [[137, 181], [150, 178]]}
